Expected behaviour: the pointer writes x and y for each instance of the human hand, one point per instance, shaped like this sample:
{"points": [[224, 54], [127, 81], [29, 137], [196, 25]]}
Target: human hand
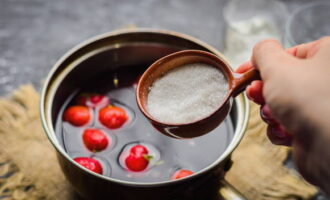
{"points": [[294, 96]]}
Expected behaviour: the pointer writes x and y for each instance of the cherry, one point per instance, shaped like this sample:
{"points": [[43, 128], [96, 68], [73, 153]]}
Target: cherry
{"points": [[181, 174], [90, 164], [95, 140], [96, 98], [92, 100], [136, 163], [138, 159], [112, 117], [139, 150], [77, 115]]}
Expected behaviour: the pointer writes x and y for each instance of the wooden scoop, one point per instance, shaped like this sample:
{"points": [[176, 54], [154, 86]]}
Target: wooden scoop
{"points": [[237, 84]]}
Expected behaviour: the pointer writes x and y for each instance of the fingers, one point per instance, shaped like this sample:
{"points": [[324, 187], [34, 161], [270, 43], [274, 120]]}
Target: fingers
{"points": [[304, 51], [269, 57], [244, 67], [253, 91], [322, 48], [278, 135], [274, 64], [275, 131], [265, 53], [266, 115]]}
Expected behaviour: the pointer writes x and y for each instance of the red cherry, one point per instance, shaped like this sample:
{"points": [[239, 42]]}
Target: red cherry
{"points": [[96, 98], [139, 150], [136, 163], [92, 100], [90, 164], [138, 158], [181, 174], [77, 115], [112, 117], [95, 139]]}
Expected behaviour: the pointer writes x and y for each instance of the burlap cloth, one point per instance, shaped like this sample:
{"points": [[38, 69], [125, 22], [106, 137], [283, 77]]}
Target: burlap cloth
{"points": [[29, 169]]}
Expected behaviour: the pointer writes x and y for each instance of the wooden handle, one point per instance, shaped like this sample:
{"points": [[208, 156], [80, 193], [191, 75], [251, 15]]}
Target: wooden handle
{"points": [[241, 81]]}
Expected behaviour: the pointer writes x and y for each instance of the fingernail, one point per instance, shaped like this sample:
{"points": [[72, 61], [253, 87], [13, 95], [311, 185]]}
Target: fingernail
{"points": [[266, 115]]}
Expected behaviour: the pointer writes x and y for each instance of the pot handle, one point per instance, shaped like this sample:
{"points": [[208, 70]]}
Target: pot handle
{"points": [[228, 192]]}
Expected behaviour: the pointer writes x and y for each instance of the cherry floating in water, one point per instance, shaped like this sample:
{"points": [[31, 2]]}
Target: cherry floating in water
{"points": [[90, 164], [92, 100], [77, 115], [181, 174], [136, 163], [138, 159], [113, 117], [95, 140], [139, 156], [139, 150]]}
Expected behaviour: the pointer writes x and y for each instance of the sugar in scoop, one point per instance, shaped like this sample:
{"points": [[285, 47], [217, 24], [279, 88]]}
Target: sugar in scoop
{"points": [[187, 93], [185, 100]]}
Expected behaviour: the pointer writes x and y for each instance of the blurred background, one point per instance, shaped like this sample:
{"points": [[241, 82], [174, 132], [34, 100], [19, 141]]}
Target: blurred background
{"points": [[34, 34]]}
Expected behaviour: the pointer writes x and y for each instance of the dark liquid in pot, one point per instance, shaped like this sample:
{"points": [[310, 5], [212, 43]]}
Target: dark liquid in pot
{"points": [[169, 154]]}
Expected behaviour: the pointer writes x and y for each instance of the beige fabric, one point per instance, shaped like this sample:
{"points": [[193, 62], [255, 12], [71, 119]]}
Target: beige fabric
{"points": [[29, 163], [24, 143]]}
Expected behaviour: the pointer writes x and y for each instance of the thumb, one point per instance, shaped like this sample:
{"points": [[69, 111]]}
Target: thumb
{"points": [[270, 57]]}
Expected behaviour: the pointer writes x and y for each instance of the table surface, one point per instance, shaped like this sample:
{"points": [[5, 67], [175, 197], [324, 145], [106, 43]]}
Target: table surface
{"points": [[35, 33]]}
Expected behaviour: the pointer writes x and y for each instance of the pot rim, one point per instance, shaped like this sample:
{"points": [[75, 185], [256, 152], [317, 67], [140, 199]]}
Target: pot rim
{"points": [[48, 88]]}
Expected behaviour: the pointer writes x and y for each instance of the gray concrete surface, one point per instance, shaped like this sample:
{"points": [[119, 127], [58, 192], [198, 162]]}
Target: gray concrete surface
{"points": [[35, 33]]}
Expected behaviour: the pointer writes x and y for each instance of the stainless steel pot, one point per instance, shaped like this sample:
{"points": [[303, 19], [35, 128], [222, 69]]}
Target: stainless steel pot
{"points": [[128, 48]]}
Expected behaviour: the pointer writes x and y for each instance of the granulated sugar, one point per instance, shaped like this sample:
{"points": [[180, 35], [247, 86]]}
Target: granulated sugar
{"points": [[187, 94]]}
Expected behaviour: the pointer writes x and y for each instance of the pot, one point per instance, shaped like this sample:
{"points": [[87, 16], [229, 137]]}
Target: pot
{"points": [[129, 48]]}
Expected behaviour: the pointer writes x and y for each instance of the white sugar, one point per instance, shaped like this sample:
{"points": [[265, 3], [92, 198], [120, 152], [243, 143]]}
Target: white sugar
{"points": [[187, 94]]}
